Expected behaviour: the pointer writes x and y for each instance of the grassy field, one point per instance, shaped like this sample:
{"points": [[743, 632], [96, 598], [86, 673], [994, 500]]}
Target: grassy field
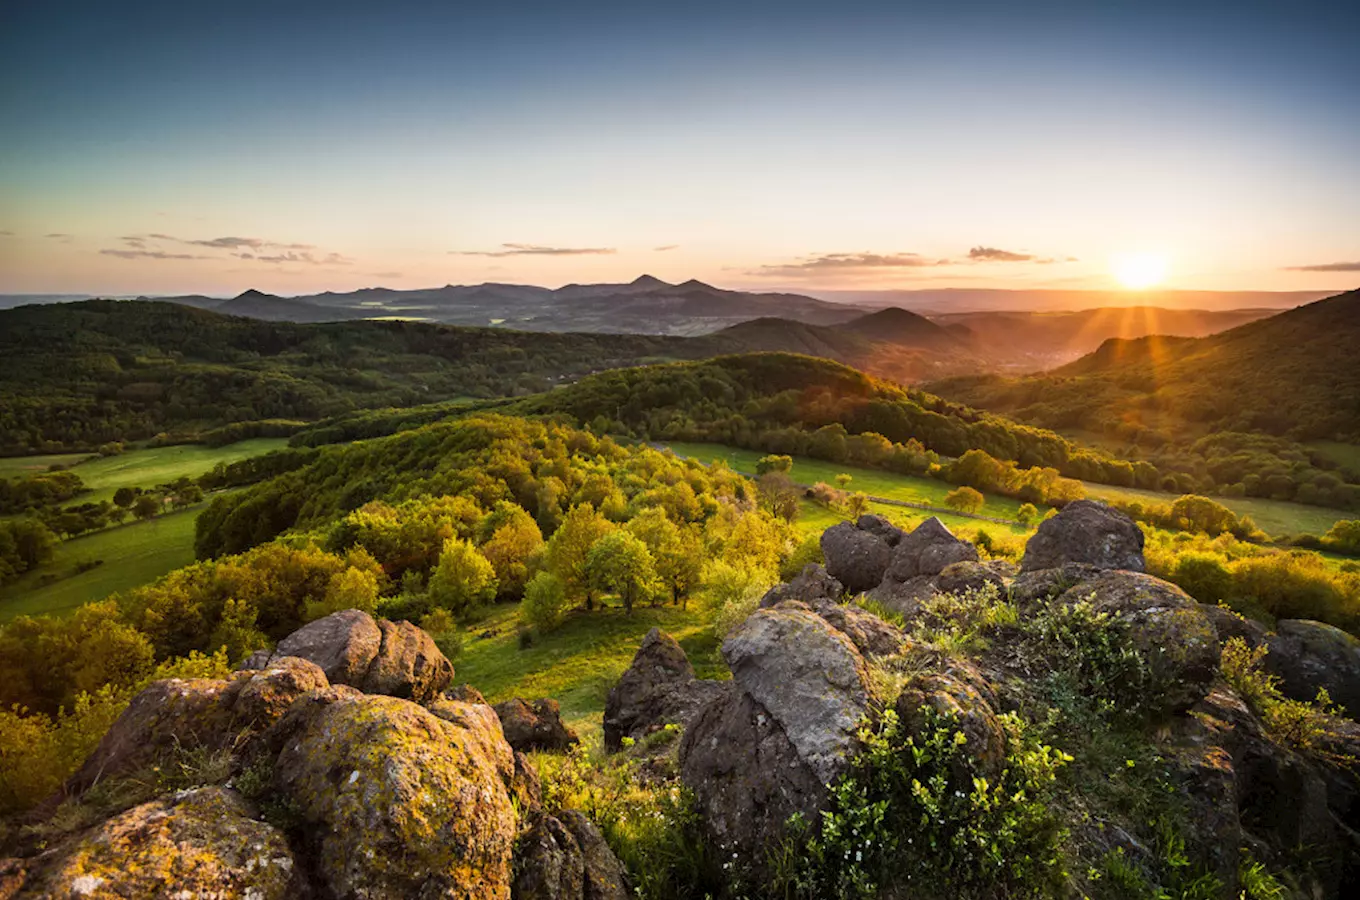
{"points": [[1275, 517], [10, 466], [1347, 456], [160, 465], [133, 555], [871, 481], [578, 663]]}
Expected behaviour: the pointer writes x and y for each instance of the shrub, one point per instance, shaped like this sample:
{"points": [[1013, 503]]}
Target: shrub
{"points": [[964, 499], [545, 602], [914, 813], [1303, 726], [464, 580], [732, 592]]}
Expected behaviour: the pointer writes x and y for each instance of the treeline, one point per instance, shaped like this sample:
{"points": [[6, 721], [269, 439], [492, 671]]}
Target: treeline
{"points": [[24, 544], [25, 493], [777, 402], [74, 376]]}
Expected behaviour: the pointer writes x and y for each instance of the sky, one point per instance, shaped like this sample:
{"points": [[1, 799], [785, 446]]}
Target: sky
{"points": [[165, 148]]}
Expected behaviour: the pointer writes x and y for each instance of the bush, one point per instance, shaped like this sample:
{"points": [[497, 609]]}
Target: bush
{"points": [[464, 580], [545, 602], [914, 813], [732, 592], [965, 500], [1303, 726]]}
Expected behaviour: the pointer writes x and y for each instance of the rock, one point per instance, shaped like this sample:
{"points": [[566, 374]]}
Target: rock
{"points": [[526, 790], [1174, 636], [962, 577], [535, 726], [658, 688], [13, 874], [1086, 532], [377, 657], [466, 693], [880, 526], [344, 644], [397, 800], [903, 597], [813, 583], [808, 676], [1030, 588], [202, 843], [190, 714], [927, 550], [605, 878], [871, 635], [1307, 655], [957, 699], [857, 559], [549, 865], [746, 776], [1228, 624]]}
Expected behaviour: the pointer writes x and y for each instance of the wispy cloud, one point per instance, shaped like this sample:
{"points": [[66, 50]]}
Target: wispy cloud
{"points": [[849, 263], [6, 234], [59, 236], [536, 250], [1327, 267], [666, 247], [237, 243], [992, 254], [311, 259], [149, 254]]}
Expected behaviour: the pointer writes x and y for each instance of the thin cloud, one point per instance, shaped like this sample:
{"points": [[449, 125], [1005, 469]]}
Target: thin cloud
{"points": [[850, 263], [992, 254], [6, 234], [330, 259], [59, 236], [1327, 267], [663, 249], [536, 250], [237, 243], [149, 254]]}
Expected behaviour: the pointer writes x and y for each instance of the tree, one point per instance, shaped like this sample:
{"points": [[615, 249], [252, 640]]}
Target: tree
{"points": [[857, 504], [350, 589], [621, 563], [778, 495], [515, 541], [1193, 512], [146, 506], [1027, 513], [569, 549], [843, 480], [965, 500], [545, 601], [675, 549], [774, 463], [1344, 536], [463, 580], [125, 496]]}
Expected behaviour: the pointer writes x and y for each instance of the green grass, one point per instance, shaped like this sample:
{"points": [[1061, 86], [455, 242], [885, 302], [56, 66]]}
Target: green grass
{"points": [[133, 555], [10, 466], [1275, 517], [579, 662], [876, 483], [1347, 456], [161, 465]]}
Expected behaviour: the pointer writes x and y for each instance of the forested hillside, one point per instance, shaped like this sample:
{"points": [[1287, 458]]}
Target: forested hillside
{"points": [[76, 375], [1235, 406]]}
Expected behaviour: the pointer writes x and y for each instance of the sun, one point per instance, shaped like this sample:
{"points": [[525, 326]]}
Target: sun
{"points": [[1139, 271]]}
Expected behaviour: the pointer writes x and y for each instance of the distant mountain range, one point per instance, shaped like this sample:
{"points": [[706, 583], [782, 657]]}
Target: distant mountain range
{"points": [[892, 341]]}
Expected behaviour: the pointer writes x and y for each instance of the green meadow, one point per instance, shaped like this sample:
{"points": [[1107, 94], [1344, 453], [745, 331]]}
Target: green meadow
{"points": [[160, 465], [1277, 518]]}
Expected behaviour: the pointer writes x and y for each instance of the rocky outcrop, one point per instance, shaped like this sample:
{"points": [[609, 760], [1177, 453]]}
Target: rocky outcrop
{"points": [[927, 551], [1307, 656], [956, 698], [565, 857], [871, 635], [854, 557], [535, 726], [202, 843], [398, 801], [193, 714], [377, 657], [783, 730], [1086, 532], [810, 585], [1175, 638], [658, 688]]}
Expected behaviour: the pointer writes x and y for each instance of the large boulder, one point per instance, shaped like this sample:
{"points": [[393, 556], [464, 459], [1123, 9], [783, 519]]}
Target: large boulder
{"points": [[1086, 532], [855, 558], [202, 843], [871, 635], [806, 674], [1307, 656], [927, 550], [810, 585], [198, 713], [659, 688], [396, 800], [549, 865], [746, 776], [960, 700], [534, 726], [780, 733], [375, 656], [970, 576], [605, 878], [1167, 627]]}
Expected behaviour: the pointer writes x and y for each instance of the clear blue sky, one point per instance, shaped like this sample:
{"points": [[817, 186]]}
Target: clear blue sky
{"points": [[167, 147]]}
